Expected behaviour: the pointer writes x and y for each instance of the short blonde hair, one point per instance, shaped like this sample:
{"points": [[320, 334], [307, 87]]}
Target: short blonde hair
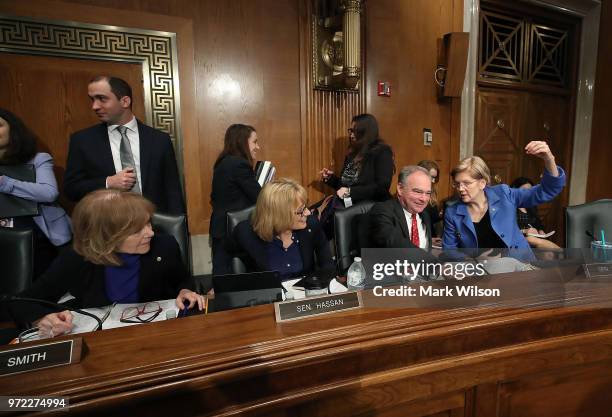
{"points": [[103, 219], [274, 210], [475, 166]]}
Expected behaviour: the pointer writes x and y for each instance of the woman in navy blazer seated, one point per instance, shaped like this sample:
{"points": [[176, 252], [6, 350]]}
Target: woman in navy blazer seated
{"points": [[51, 227], [234, 187], [115, 258], [485, 216], [281, 234]]}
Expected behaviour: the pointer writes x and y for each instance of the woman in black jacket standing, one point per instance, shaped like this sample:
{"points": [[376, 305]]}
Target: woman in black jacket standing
{"points": [[367, 171], [234, 187], [368, 166]]}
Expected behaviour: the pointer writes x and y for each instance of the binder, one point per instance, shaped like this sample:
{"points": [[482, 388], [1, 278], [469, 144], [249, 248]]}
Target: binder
{"points": [[264, 172], [10, 205]]}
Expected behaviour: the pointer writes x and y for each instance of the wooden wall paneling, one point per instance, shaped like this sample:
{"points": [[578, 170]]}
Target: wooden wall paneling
{"points": [[137, 14], [50, 95], [405, 54], [246, 61], [549, 119], [325, 115], [499, 131], [221, 46], [444, 180], [598, 184]]}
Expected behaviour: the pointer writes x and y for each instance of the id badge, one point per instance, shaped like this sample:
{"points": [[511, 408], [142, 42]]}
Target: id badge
{"points": [[6, 222], [347, 202]]}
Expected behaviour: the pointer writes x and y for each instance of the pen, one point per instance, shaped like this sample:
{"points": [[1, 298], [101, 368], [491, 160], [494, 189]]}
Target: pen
{"points": [[206, 307]]}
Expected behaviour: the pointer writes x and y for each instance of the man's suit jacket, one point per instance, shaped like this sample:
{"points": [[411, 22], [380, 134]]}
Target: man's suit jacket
{"points": [[252, 250], [389, 228], [90, 161], [234, 187], [162, 276]]}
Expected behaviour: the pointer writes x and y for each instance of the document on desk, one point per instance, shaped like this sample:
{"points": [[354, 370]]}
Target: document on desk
{"points": [[541, 236], [111, 316]]}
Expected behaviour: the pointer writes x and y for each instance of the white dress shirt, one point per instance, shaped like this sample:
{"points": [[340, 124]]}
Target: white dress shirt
{"points": [[420, 226], [115, 144]]}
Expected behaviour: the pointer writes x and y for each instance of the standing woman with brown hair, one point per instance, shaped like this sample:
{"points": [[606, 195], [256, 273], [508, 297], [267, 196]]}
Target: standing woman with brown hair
{"points": [[234, 187]]}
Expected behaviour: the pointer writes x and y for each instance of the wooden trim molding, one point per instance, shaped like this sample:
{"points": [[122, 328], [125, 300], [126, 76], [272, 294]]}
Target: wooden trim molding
{"points": [[169, 110]]}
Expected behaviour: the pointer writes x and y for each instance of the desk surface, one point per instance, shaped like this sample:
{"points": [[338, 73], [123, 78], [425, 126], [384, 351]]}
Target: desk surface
{"points": [[376, 359]]}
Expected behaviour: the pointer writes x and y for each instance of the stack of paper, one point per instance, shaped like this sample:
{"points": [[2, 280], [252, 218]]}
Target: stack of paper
{"points": [[111, 316]]}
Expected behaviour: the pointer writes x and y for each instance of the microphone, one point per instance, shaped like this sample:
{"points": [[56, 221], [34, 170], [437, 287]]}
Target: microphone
{"points": [[12, 298]]}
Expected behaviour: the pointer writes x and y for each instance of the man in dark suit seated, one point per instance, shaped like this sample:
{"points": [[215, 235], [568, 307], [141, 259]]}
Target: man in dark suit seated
{"points": [[122, 153], [403, 222]]}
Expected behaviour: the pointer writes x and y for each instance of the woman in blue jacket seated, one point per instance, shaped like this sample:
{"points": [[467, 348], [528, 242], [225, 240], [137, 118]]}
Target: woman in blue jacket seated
{"points": [[115, 258], [51, 227], [281, 234], [485, 216]]}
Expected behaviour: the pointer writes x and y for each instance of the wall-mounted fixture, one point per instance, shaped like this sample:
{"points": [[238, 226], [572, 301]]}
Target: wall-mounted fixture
{"points": [[383, 88], [336, 46], [452, 64]]}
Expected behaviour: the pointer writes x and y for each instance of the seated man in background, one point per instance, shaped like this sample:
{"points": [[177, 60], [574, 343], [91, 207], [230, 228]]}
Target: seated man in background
{"points": [[121, 153], [403, 222], [116, 258]]}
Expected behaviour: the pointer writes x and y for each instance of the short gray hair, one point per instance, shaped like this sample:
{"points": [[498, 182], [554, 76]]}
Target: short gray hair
{"points": [[408, 170]]}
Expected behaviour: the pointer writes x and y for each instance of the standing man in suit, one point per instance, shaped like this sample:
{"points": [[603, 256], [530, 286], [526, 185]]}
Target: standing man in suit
{"points": [[403, 222], [122, 153]]}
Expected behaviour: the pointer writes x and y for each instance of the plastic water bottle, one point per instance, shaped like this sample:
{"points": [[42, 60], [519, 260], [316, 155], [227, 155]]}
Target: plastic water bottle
{"points": [[355, 277]]}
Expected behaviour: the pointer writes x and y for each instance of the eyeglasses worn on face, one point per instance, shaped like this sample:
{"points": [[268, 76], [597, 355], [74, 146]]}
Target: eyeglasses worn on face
{"points": [[464, 184], [141, 314], [301, 211]]}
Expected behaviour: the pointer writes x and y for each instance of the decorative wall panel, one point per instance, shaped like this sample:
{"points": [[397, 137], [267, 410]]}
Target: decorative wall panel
{"points": [[519, 50], [155, 50]]}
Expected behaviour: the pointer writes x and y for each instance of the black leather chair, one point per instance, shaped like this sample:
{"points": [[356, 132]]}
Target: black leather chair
{"points": [[350, 231], [584, 222], [175, 225], [233, 218], [16, 260]]}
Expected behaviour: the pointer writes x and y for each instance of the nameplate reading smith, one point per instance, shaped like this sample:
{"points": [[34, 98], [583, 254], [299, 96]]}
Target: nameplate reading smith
{"points": [[15, 360], [308, 307]]}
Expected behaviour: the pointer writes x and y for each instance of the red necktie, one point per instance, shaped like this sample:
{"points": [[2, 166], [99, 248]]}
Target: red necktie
{"points": [[414, 235]]}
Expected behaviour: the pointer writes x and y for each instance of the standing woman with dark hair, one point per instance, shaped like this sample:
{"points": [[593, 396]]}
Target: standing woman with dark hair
{"points": [[234, 187], [368, 166], [51, 228], [366, 173]]}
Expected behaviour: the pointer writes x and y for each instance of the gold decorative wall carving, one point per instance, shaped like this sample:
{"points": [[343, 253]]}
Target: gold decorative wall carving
{"points": [[336, 45], [154, 50]]}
